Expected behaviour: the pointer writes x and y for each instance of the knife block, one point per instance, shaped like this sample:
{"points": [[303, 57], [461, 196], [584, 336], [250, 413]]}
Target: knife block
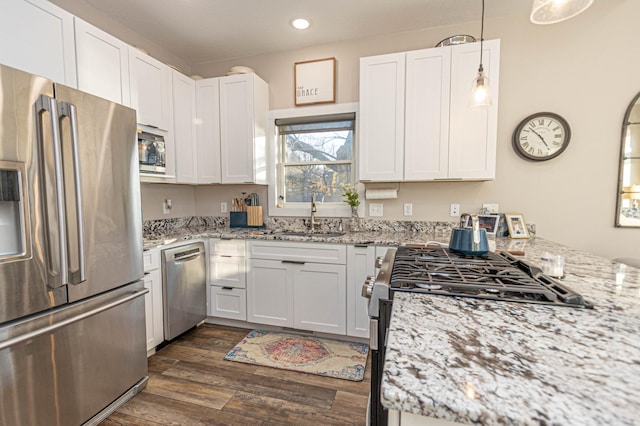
{"points": [[237, 219], [254, 216]]}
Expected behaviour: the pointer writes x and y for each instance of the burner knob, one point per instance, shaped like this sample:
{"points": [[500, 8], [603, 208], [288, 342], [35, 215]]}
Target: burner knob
{"points": [[379, 261], [367, 287]]}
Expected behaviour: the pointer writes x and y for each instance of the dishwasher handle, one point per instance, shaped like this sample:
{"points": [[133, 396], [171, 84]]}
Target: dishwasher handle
{"points": [[187, 255]]}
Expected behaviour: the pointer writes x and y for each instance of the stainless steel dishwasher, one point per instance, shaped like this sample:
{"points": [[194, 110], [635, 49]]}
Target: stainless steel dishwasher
{"points": [[183, 288]]}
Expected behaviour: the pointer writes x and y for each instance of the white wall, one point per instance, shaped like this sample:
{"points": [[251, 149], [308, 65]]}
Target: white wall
{"points": [[586, 69]]}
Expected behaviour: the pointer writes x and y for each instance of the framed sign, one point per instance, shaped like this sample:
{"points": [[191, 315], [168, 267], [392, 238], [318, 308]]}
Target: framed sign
{"points": [[315, 81]]}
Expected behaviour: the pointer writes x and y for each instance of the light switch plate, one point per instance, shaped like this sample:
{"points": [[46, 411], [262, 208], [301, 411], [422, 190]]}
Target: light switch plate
{"points": [[376, 209], [167, 205], [223, 207]]}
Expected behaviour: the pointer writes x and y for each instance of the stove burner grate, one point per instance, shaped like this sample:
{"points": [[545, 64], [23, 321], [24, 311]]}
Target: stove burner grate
{"points": [[492, 276]]}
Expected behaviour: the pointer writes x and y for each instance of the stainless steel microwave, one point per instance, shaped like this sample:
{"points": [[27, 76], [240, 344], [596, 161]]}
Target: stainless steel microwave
{"points": [[151, 153]]}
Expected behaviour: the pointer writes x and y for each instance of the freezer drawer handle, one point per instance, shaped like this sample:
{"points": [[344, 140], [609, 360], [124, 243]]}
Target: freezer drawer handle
{"points": [[45, 103], [66, 109], [295, 262], [51, 328]]}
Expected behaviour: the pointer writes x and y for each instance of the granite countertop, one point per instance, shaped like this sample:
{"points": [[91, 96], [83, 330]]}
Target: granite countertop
{"points": [[499, 363], [388, 238]]}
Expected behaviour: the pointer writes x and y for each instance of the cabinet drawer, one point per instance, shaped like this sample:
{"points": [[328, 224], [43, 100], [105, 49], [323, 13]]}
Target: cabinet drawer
{"points": [[227, 271], [220, 247], [228, 303], [299, 252], [151, 259]]}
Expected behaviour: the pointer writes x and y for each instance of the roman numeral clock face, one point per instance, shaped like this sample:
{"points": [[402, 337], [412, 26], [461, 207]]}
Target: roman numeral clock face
{"points": [[541, 136]]}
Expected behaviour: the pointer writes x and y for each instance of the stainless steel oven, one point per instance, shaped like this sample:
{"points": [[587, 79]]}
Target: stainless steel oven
{"points": [[151, 153]]}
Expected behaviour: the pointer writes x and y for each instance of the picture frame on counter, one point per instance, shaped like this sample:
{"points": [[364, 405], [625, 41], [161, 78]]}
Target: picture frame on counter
{"points": [[517, 225], [315, 82], [488, 222]]}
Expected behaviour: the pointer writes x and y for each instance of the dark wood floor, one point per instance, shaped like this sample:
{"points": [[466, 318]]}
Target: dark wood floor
{"points": [[191, 384]]}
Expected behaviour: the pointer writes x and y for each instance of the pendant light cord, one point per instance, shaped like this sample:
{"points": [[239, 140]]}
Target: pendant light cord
{"points": [[481, 37]]}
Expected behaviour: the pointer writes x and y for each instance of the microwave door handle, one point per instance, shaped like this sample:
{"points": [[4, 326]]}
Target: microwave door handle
{"points": [[65, 109], [46, 103]]}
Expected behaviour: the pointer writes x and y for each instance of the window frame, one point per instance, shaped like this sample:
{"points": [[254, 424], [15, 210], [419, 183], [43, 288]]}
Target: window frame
{"points": [[276, 169]]}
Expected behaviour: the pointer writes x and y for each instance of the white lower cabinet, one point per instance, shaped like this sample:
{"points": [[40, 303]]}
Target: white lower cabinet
{"points": [[361, 261], [227, 279], [300, 285], [270, 292], [319, 297], [153, 299], [228, 302]]}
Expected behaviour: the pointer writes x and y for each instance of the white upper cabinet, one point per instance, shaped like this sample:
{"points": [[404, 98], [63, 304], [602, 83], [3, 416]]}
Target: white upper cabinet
{"points": [[37, 36], [103, 63], [208, 130], [184, 131], [244, 105], [381, 121], [473, 131], [415, 120], [427, 114], [150, 82]]}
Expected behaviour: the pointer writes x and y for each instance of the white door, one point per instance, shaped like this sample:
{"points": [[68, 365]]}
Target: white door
{"points": [[381, 122], [208, 130], [236, 128], [360, 264], [270, 292], [153, 308], [37, 37], [320, 298], [426, 148], [473, 131], [103, 63], [184, 136], [150, 89]]}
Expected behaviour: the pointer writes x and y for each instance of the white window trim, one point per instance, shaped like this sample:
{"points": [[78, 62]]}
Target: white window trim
{"points": [[324, 210]]}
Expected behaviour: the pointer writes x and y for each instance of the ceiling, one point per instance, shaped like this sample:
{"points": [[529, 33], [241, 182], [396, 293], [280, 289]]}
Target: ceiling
{"points": [[202, 31]]}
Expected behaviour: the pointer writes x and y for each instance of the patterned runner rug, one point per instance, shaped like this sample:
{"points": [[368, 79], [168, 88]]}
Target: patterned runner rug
{"points": [[306, 354]]}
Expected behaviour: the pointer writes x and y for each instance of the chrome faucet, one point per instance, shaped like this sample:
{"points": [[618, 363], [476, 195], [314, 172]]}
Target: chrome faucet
{"points": [[313, 223]]}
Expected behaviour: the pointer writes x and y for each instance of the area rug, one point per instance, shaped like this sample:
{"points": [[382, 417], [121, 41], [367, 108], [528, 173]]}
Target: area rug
{"points": [[306, 354]]}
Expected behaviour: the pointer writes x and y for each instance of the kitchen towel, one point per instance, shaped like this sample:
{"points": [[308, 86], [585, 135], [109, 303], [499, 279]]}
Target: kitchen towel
{"points": [[305, 354]]}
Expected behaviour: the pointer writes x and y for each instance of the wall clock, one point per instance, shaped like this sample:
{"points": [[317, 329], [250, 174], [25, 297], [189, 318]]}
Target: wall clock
{"points": [[541, 136]]}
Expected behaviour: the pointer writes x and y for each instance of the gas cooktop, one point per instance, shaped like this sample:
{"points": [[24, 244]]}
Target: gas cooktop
{"points": [[437, 270]]}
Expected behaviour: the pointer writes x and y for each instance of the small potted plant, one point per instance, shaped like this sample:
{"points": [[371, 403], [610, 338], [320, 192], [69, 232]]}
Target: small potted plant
{"points": [[350, 196]]}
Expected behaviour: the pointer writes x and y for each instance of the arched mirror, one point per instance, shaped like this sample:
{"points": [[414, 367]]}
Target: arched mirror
{"points": [[628, 206]]}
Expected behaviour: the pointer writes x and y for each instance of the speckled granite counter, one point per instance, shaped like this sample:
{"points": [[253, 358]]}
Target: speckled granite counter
{"points": [[390, 233], [499, 363]]}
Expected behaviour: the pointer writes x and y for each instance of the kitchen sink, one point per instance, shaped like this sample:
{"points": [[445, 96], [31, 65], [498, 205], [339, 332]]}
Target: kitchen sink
{"points": [[309, 234]]}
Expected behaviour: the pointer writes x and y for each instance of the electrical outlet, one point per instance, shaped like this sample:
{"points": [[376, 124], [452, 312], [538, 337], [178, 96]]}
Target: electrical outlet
{"points": [[167, 206], [408, 209], [490, 208], [454, 210], [376, 209], [223, 207]]}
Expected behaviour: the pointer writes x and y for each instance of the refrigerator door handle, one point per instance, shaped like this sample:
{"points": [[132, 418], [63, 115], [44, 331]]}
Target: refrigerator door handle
{"points": [[46, 103], [48, 329], [66, 109]]}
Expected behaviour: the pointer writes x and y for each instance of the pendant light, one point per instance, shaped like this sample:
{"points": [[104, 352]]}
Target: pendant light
{"points": [[545, 12], [480, 90]]}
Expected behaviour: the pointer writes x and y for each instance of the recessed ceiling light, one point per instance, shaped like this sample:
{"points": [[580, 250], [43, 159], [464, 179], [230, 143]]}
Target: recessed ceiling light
{"points": [[300, 23]]}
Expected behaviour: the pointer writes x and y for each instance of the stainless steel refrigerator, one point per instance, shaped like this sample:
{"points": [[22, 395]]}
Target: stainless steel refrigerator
{"points": [[72, 325]]}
